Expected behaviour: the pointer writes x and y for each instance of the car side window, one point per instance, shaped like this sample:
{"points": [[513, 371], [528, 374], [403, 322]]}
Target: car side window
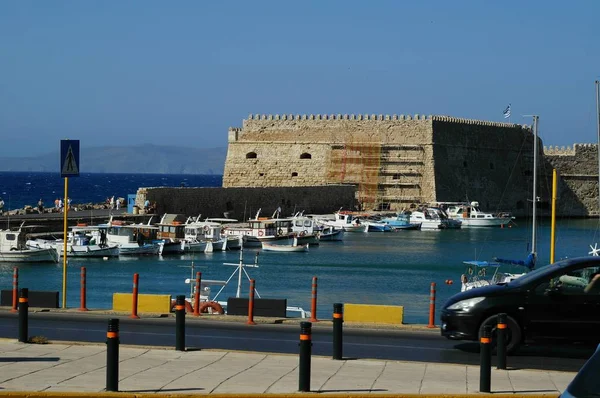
{"points": [[574, 282]]}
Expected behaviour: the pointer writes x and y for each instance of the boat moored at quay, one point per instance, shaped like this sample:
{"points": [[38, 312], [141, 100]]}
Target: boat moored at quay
{"points": [[14, 249]]}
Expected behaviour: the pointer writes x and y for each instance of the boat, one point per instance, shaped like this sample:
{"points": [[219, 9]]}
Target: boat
{"points": [[294, 246], [485, 273], [13, 248], [341, 219], [401, 221], [376, 226], [471, 215], [331, 234], [263, 229], [170, 234], [83, 241], [432, 218], [305, 229], [132, 239]]}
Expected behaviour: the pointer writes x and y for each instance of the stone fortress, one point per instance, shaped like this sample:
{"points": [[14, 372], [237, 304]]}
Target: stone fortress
{"points": [[396, 162]]}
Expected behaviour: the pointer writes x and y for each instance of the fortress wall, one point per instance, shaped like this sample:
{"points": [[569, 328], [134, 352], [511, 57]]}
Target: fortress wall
{"points": [[578, 178], [400, 160], [242, 203], [386, 129], [488, 162], [276, 164]]}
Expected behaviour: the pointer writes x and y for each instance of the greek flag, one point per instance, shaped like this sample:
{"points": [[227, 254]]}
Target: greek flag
{"points": [[506, 112]]}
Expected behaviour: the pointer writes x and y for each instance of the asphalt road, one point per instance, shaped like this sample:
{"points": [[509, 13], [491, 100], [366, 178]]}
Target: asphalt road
{"points": [[405, 345]]}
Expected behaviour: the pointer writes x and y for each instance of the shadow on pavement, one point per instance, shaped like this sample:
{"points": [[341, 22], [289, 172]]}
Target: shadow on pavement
{"points": [[29, 359]]}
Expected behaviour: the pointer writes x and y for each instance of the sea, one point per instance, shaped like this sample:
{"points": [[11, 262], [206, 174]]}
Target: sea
{"points": [[391, 268]]}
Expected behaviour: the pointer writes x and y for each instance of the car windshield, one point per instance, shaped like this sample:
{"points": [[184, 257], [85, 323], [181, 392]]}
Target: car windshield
{"points": [[534, 275]]}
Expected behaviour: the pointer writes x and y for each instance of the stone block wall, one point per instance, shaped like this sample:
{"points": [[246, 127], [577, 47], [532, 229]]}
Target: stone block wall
{"points": [[491, 163], [577, 193], [243, 203]]}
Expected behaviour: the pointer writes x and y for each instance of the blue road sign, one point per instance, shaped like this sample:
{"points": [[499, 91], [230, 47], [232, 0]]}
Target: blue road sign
{"points": [[69, 158]]}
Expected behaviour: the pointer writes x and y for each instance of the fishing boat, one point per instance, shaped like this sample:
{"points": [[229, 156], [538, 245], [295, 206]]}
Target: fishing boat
{"points": [[341, 220], [13, 248], [401, 221], [376, 226], [331, 234], [132, 239], [294, 246], [83, 241]]}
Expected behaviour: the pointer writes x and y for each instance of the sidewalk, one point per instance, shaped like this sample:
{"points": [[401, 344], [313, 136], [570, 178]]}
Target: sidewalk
{"points": [[82, 368]]}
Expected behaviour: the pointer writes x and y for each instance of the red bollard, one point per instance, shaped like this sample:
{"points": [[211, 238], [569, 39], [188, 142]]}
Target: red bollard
{"points": [[15, 290], [82, 306], [313, 301], [197, 294], [136, 281], [251, 303], [432, 306]]}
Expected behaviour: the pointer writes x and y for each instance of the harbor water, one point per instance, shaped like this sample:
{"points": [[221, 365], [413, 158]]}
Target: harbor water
{"points": [[392, 268]]}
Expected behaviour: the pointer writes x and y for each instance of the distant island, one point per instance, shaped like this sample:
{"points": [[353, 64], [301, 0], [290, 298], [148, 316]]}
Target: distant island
{"points": [[143, 158]]}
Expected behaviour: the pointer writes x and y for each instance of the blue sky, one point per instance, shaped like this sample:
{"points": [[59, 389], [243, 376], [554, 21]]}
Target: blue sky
{"points": [[181, 73]]}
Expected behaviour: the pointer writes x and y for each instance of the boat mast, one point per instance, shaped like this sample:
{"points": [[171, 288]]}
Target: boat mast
{"points": [[534, 208], [598, 127]]}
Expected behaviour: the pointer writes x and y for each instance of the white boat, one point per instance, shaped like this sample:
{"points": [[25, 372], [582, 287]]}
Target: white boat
{"points": [[330, 234], [343, 220], [471, 215], [13, 248], [207, 236], [294, 246], [172, 234], [132, 239], [261, 229], [82, 241], [433, 219], [305, 229]]}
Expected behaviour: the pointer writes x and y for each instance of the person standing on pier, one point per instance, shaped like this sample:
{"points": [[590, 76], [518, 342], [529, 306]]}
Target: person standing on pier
{"points": [[1, 206], [40, 206]]}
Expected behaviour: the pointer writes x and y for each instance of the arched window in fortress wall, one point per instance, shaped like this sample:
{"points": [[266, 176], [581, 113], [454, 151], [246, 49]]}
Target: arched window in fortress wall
{"points": [[251, 155], [294, 174], [306, 155]]}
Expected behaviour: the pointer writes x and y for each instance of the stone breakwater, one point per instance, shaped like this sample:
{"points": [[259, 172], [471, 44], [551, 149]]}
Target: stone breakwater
{"points": [[28, 209]]}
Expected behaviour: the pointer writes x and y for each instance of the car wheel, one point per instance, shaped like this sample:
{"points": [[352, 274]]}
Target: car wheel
{"points": [[513, 333]]}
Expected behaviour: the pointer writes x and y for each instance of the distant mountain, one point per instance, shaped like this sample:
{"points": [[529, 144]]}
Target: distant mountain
{"points": [[143, 158]]}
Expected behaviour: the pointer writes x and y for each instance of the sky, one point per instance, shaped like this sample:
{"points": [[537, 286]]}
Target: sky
{"points": [[181, 73]]}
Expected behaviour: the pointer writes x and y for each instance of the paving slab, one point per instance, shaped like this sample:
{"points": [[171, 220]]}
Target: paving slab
{"points": [[82, 368]]}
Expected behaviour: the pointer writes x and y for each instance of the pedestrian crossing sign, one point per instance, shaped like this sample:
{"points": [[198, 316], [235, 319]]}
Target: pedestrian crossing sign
{"points": [[69, 158]]}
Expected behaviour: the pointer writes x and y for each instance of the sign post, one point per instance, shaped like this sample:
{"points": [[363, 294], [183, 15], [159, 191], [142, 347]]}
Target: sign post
{"points": [[69, 167]]}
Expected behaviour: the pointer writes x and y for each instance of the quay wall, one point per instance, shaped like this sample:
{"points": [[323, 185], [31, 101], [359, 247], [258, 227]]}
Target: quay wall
{"points": [[243, 203]]}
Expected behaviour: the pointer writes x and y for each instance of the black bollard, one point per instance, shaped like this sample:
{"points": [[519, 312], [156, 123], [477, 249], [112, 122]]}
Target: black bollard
{"points": [[305, 352], [112, 355], [338, 321], [501, 341], [23, 316], [485, 366], [180, 323]]}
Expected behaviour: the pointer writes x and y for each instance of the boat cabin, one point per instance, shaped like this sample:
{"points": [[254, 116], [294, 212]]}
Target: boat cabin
{"points": [[140, 233], [12, 240]]}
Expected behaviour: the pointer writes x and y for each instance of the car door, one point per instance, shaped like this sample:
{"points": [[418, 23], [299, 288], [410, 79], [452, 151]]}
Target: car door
{"points": [[559, 306]]}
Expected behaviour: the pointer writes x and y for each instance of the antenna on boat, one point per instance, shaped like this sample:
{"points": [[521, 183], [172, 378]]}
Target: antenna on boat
{"points": [[240, 268]]}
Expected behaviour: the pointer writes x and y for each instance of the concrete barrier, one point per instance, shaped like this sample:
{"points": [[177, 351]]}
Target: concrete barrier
{"points": [[156, 303], [370, 313]]}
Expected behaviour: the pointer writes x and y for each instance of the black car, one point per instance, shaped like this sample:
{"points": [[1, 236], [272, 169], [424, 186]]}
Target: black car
{"points": [[558, 301]]}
